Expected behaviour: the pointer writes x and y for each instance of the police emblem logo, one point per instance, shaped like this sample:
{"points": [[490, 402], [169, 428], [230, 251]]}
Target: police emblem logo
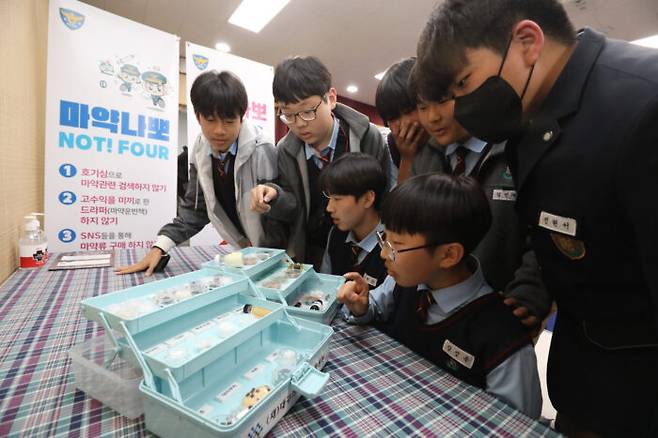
{"points": [[574, 249], [200, 61], [507, 174], [73, 20]]}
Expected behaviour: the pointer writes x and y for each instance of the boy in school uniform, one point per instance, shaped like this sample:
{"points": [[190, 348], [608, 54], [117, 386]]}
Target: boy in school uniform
{"points": [[230, 157], [320, 130], [354, 185], [505, 253], [396, 106], [586, 179], [436, 300]]}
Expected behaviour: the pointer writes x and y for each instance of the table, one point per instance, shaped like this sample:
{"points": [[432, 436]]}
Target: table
{"points": [[378, 387]]}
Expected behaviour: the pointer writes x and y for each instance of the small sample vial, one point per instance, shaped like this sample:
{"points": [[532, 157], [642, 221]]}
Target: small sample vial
{"points": [[250, 260], [141, 306], [225, 329], [284, 364], [203, 344], [213, 282], [182, 293], [294, 270], [197, 287], [164, 298], [272, 283]]}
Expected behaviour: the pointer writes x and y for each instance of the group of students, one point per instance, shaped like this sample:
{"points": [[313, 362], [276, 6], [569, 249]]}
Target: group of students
{"points": [[524, 161]]}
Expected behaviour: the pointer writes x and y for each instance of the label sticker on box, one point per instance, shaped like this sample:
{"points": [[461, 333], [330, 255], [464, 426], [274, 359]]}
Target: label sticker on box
{"points": [[223, 316], [154, 351], [202, 327], [254, 371], [272, 356], [178, 339], [232, 389], [205, 410]]}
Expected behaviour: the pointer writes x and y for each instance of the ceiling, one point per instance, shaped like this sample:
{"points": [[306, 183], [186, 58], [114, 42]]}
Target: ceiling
{"points": [[355, 38]]}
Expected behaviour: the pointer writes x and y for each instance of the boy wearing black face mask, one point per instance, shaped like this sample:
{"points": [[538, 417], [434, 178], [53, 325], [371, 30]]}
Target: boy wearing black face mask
{"points": [[586, 177], [507, 259]]}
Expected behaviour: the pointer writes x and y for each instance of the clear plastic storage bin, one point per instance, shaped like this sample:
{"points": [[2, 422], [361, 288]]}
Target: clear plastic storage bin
{"points": [[104, 375]]}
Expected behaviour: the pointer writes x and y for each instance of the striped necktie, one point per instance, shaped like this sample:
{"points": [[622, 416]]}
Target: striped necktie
{"points": [[460, 161], [425, 300], [356, 250]]}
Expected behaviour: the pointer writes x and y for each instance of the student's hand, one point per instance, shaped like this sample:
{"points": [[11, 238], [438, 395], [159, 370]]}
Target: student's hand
{"points": [[409, 137], [148, 263], [526, 318], [354, 294], [261, 196]]}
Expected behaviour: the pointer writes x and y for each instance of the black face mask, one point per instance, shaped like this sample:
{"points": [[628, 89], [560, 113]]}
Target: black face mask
{"points": [[493, 112]]}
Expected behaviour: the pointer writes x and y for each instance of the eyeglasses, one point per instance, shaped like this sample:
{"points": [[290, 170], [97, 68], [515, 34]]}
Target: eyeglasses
{"points": [[307, 116], [330, 196], [392, 252]]}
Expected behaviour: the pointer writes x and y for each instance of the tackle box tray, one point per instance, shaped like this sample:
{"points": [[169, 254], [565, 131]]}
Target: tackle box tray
{"points": [[142, 307], [217, 358], [250, 261], [247, 390], [315, 297], [103, 375], [306, 293]]}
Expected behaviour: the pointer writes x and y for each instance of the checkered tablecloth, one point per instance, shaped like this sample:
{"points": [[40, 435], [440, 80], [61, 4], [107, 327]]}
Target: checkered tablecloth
{"points": [[378, 387]]}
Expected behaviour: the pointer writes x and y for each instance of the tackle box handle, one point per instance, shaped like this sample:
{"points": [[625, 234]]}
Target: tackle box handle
{"points": [[308, 380], [148, 375]]}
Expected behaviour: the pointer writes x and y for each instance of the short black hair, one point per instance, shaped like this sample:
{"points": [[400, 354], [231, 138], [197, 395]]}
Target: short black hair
{"points": [[354, 174], [296, 79], [457, 25], [219, 94], [441, 207], [393, 97]]}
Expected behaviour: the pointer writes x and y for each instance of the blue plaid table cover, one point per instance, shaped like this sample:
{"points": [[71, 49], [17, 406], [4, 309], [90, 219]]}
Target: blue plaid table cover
{"points": [[378, 387]]}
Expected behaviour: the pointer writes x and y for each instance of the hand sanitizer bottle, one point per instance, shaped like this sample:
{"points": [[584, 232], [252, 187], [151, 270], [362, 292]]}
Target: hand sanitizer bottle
{"points": [[33, 246]]}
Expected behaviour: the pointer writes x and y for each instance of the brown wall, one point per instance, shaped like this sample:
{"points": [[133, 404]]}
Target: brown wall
{"points": [[23, 46]]}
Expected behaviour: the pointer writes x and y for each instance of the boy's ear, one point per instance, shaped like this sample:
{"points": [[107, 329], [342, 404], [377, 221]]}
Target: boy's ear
{"points": [[332, 98], [531, 37], [450, 254], [368, 199]]}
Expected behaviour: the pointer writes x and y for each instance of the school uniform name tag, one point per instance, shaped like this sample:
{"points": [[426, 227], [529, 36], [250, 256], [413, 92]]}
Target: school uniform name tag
{"points": [[504, 195], [553, 222], [458, 354], [372, 281]]}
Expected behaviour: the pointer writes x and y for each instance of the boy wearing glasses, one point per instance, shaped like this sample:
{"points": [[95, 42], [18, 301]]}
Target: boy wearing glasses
{"points": [[354, 185], [320, 130], [505, 253], [436, 300]]}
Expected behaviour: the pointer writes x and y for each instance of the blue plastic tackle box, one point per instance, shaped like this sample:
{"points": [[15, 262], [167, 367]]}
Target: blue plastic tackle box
{"points": [[306, 293], [218, 358]]}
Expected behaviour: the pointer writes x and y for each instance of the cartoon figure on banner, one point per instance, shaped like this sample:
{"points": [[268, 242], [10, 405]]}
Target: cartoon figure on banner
{"points": [[106, 67], [131, 78], [129, 75], [155, 84]]}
